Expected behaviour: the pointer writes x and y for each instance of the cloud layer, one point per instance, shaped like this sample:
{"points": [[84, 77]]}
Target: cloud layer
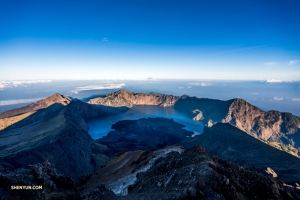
{"points": [[11, 102], [278, 98], [11, 84], [200, 84], [98, 87]]}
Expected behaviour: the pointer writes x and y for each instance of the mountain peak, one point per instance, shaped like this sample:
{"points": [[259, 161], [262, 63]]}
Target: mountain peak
{"points": [[43, 103]]}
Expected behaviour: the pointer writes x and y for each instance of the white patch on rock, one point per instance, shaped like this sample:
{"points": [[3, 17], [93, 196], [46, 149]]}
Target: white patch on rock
{"points": [[120, 187]]}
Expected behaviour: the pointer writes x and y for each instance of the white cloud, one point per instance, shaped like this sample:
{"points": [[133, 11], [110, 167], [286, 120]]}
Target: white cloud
{"points": [[17, 101], [200, 84], [280, 81], [181, 87], [11, 84], [270, 63], [189, 87], [101, 87], [296, 99], [277, 98], [104, 39], [98, 87], [292, 62]]}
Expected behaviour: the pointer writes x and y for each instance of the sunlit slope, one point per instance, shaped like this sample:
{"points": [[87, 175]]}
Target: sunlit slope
{"points": [[5, 122], [44, 103]]}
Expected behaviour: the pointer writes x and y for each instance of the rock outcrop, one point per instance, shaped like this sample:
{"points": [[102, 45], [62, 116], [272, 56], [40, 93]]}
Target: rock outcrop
{"points": [[48, 183], [232, 144], [175, 173], [129, 99]]}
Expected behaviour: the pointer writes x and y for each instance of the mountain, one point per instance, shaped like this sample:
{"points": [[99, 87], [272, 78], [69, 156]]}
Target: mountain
{"points": [[129, 99], [176, 173], [143, 134], [51, 147], [58, 134], [44, 103], [280, 130], [232, 144]]}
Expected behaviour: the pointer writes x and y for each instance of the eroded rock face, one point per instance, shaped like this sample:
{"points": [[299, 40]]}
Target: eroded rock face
{"points": [[129, 99], [184, 174], [271, 126]]}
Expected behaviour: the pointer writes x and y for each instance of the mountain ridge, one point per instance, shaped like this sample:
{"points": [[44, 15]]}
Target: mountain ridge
{"points": [[278, 129]]}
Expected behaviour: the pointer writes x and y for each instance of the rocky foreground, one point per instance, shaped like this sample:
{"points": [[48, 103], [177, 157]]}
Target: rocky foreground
{"points": [[51, 147]]}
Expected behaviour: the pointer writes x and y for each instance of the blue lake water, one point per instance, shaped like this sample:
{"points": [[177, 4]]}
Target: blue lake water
{"points": [[99, 127]]}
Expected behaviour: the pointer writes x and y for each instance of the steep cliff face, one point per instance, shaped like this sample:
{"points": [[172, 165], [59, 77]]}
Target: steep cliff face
{"points": [[129, 99], [271, 126]]}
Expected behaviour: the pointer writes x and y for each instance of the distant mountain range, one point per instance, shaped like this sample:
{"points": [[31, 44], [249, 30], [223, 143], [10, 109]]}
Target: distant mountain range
{"points": [[47, 143]]}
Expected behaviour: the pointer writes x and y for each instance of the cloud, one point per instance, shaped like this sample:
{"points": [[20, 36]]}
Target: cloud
{"points": [[280, 81], [296, 99], [11, 84], [277, 98], [181, 87], [104, 39], [11, 102], [292, 62], [270, 63], [98, 87], [200, 84], [189, 87]]}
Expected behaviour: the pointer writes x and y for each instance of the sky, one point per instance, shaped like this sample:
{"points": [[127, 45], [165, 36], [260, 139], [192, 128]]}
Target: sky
{"points": [[204, 39]]}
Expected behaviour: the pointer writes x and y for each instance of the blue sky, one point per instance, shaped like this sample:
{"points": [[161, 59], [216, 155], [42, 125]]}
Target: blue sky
{"points": [[206, 39]]}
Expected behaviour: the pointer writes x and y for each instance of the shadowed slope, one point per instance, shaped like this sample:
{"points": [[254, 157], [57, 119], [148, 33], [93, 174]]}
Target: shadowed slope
{"points": [[58, 134], [232, 144]]}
